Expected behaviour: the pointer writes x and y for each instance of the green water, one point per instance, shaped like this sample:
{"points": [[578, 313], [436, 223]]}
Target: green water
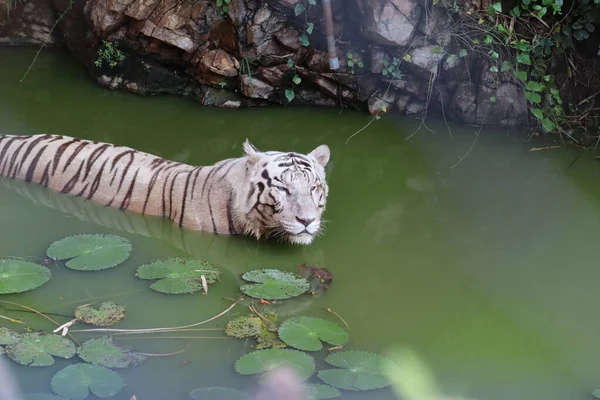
{"points": [[488, 270]]}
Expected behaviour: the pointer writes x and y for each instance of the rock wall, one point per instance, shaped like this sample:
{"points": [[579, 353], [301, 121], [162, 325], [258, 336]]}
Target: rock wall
{"points": [[254, 53]]}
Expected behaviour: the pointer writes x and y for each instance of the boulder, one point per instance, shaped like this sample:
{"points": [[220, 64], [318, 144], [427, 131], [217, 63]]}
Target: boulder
{"points": [[389, 22]]}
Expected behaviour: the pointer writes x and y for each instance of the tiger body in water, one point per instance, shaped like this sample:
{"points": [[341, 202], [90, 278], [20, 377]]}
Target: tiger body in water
{"points": [[260, 194]]}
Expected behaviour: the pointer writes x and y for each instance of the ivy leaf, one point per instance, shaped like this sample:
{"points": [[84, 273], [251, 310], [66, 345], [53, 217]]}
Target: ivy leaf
{"points": [[78, 380], [436, 50], [264, 360], [218, 393], [102, 351], [524, 58], [273, 284], [497, 7], [312, 2], [290, 63], [108, 314], [581, 35], [358, 370], [590, 27], [178, 275], [17, 276], [493, 99], [522, 75], [533, 97], [299, 9], [306, 333], [506, 66], [90, 252], [37, 349], [548, 125], [462, 53], [304, 40], [534, 86], [537, 113], [494, 68], [289, 95], [296, 79], [310, 27]]}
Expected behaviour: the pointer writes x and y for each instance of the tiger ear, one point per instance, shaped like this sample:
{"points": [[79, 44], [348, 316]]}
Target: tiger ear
{"points": [[252, 153], [321, 154]]}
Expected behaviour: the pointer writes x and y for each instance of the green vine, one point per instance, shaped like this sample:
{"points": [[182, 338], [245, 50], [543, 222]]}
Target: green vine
{"points": [[354, 61], [223, 6], [302, 8], [526, 43], [290, 94]]}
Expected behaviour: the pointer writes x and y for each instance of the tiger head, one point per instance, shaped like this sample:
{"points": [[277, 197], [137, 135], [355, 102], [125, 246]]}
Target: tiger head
{"points": [[287, 193]]}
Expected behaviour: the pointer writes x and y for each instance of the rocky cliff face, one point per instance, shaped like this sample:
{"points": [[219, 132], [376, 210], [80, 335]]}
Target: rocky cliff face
{"points": [[257, 52]]}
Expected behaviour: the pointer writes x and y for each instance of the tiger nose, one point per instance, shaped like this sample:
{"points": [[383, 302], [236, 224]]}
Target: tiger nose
{"points": [[305, 221]]}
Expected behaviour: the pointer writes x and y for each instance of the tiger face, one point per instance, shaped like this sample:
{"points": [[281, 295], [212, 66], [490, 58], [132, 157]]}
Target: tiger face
{"points": [[288, 193]]}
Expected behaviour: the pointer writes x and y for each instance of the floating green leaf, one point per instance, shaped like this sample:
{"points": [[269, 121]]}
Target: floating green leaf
{"points": [[359, 370], [102, 351], [37, 349], [273, 284], [108, 314], [317, 391], [8, 336], [596, 393], [17, 276], [91, 252], [78, 380], [218, 393], [265, 360], [43, 396], [178, 275], [306, 333]]}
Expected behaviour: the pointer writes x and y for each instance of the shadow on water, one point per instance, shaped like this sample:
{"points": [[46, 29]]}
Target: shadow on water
{"points": [[487, 269]]}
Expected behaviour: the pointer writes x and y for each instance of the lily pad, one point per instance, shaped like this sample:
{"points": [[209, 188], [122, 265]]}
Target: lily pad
{"points": [[17, 276], [102, 351], [78, 380], [37, 349], [218, 393], [265, 360], [273, 284], [8, 336], [91, 252], [359, 370], [317, 391], [108, 314], [43, 396], [178, 275], [306, 333]]}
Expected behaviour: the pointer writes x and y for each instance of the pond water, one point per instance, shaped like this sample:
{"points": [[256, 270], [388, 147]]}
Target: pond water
{"points": [[486, 268]]}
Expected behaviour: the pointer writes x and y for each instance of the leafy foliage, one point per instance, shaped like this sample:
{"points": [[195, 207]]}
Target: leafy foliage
{"points": [[78, 380], [218, 393], [273, 284], [108, 314], [244, 327], [354, 61], [263, 360], [306, 333], [317, 391], [37, 349], [109, 54], [17, 276], [91, 252], [102, 351], [223, 6], [391, 69], [358, 370], [178, 275]]}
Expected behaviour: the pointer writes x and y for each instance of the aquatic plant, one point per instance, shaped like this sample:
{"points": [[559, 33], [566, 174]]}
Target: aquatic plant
{"points": [[78, 380], [38, 349], [178, 275], [317, 391], [43, 396], [107, 314], [306, 333], [273, 284], [91, 252], [20, 276], [358, 370], [263, 360], [243, 327], [109, 53], [102, 351]]}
